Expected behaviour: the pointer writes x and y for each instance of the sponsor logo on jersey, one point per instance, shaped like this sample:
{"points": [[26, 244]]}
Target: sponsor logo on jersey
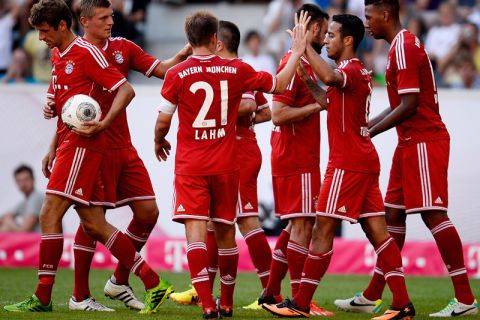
{"points": [[438, 200], [118, 57], [180, 208], [79, 191], [342, 209], [69, 67]]}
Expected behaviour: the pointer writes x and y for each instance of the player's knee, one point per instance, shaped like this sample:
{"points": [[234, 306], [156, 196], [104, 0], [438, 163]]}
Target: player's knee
{"points": [[433, 218], [245, 225], [147, 212], [51, 215]]}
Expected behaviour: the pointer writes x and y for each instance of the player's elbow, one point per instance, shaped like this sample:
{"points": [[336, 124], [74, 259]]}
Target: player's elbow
{"points": [[277, 119]]}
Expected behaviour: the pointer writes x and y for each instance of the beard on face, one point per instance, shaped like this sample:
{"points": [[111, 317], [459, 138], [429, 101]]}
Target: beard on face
{"points": [[317, 47]]}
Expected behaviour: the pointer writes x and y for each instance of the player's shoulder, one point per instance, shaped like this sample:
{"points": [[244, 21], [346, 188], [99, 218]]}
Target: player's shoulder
{"points": [[406, 41], [90, 50]]}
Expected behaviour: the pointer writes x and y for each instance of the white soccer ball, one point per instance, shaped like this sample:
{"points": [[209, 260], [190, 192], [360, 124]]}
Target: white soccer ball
{"points": [[79, 109]]}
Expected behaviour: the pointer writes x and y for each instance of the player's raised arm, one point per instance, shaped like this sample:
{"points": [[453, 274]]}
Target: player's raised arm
{"points": [[163, 66], [322, 69], [299, 35], [317, 93]]}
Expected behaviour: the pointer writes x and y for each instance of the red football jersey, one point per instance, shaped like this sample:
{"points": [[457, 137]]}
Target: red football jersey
{"points": [[207, 91], [246, 123], [296, 146], [409, 70], [125, 56], [81, 69], [347, 120]]}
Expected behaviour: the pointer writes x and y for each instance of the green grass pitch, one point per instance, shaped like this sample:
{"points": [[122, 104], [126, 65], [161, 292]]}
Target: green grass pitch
{"points": [[428, 294]]}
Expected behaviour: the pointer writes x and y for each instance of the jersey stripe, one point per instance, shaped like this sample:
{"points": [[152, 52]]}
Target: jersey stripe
{"points": [[400, 52], [95, 52]]}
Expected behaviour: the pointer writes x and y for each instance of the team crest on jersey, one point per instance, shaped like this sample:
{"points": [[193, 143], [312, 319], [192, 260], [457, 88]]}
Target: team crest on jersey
{"points": [[69, 67], [118, 56]]}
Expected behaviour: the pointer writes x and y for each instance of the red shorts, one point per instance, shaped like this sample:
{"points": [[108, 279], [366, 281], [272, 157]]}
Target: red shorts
{"points": [[350, 195], [249, 160], [76, 175], [125, 177], [296, 195], [206, 197], [419, 177]]}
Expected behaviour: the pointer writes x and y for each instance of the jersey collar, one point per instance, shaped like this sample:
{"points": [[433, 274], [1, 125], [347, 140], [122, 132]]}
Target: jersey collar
{"points": [[199, 57], [68, 48]]}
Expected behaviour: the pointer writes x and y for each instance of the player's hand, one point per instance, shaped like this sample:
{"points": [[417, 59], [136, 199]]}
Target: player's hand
{"points": [[302, 73], [49, 109], [47, 163], [299, 37], [162, 149], [89, 128], [186, 51]]}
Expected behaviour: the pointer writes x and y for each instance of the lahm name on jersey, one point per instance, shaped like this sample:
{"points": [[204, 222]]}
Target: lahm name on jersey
{"points": [[210, 69], [209, 134]]}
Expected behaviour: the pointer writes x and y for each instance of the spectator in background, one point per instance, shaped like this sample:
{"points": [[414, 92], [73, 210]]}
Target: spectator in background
{"points": [[279, 17], [441, 39], [466, 50], [24, 218], [417, 26], [30, 63], [258, 60], [8, 15], [468, 75]]}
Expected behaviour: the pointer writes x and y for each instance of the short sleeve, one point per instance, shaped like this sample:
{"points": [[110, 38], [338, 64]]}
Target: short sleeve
{"points": [[248, 95], [257, 81], [140, 60], [408, 74], [169, 100], [349, 76], [261, 100], [288, 96]]}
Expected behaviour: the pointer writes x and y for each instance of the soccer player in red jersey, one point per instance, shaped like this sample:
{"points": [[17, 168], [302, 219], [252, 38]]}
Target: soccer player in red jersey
{"points": [[124, 175], [253, 109], [418, 177], [350, 190], [80, 68], [207, 90], [295, 168]]}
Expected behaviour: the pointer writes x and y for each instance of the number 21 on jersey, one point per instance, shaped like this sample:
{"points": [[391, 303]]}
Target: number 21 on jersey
{"points": [[200, 121]]}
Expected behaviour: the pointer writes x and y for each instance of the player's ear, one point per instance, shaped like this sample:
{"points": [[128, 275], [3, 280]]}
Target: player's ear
{"points": [[348, 41], [84, 21]]}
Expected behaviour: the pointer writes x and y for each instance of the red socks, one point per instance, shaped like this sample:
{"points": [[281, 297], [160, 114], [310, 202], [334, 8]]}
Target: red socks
{"points": [[122, 248], [197, 263], [296, 256], [315, 267], [83, 251], [390, 262], [212, 251], [51, 248], [375, 288], [260, 253], [227, 263], [138, 233], [450, 247], [279, 265]]}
